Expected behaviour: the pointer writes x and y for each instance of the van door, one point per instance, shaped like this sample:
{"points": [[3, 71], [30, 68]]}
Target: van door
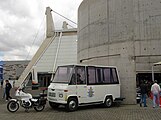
{"points": [[81, 86]]}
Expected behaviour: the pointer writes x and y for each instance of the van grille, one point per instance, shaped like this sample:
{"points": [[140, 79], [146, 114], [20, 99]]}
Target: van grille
{"points": [[51, 94]]}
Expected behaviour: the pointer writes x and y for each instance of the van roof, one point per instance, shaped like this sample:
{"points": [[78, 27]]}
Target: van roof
{"points": [[87, 65]]}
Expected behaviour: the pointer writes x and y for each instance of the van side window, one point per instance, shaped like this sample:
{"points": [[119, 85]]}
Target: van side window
{"points": [[107, 75], [99, 76], [115, 77], [91, 75], [80, 75], [110, 76]]}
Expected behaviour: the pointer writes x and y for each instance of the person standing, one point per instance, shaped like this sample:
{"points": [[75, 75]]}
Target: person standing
{"points": [[4, 90], [8, 88], [1, 83], [143, 91], [155, 89]]}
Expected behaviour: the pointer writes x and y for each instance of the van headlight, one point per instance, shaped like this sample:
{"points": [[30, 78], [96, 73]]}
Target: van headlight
{"points": [[60, 95]]}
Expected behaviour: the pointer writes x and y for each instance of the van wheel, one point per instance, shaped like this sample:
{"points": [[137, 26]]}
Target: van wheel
{"points": [[72, 104], [108, 102]]}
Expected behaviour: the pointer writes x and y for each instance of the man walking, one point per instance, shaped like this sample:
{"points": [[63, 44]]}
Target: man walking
{"points": [[4, 90], [8, 88], [143, 90], [1, 83], [155, 89]]}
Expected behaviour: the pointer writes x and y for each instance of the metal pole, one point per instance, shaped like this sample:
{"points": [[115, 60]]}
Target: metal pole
{"points": [[152, 72], [56, 56]]}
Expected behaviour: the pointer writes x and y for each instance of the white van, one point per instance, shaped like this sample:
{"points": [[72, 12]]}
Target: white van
{"points": [[79, 85]]}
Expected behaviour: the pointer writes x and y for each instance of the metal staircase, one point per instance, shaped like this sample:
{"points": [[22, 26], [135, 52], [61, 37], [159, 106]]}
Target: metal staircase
{"points": [[50, 36]]}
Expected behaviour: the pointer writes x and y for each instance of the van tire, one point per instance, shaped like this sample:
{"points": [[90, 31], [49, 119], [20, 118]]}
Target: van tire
{"points": [[108, 102], [72, 104]]}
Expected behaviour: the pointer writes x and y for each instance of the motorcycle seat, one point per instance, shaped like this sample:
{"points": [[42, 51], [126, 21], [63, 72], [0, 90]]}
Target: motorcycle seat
{"points": [[43, 95]]}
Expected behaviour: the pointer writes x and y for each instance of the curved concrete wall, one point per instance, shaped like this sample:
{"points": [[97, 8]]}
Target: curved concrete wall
{"points": [[124, 33]]}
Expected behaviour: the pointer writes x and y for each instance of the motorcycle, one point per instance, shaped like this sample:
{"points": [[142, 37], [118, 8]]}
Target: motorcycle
{"points": [[27, 101]]}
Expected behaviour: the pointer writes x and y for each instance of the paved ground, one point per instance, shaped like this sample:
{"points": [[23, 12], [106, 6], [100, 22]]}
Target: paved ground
{"points": [[124, 112]]}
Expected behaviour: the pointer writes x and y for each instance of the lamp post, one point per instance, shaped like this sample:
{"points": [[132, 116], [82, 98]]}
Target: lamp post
{"points": [[153, 73]]}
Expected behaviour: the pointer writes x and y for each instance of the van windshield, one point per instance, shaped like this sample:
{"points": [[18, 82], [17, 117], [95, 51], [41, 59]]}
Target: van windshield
{"points": [[62, 74]]}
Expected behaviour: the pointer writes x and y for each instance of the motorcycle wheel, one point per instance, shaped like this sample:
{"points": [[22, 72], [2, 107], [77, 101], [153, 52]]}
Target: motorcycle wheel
{"points": [[39, 108], [12, 106]]}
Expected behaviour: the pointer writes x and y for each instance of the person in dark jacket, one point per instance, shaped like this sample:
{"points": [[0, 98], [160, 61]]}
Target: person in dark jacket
{"points": [[1, 83], [8, 88], [143, 91]]}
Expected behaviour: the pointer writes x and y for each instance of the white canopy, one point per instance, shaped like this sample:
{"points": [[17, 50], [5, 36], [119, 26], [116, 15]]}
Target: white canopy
{"points": [[154, 64], [158, 63]]}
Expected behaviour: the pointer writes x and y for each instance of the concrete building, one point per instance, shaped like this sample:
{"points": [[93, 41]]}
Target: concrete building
{"points": [[123, 33], [11, 70]]}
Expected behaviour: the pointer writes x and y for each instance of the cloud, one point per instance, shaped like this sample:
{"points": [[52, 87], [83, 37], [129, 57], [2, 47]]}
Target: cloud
{"points": [[19, 23], [22, 25]]}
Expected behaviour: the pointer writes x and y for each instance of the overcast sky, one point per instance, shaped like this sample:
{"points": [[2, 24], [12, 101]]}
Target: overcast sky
{"points": [[22, 24]]}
